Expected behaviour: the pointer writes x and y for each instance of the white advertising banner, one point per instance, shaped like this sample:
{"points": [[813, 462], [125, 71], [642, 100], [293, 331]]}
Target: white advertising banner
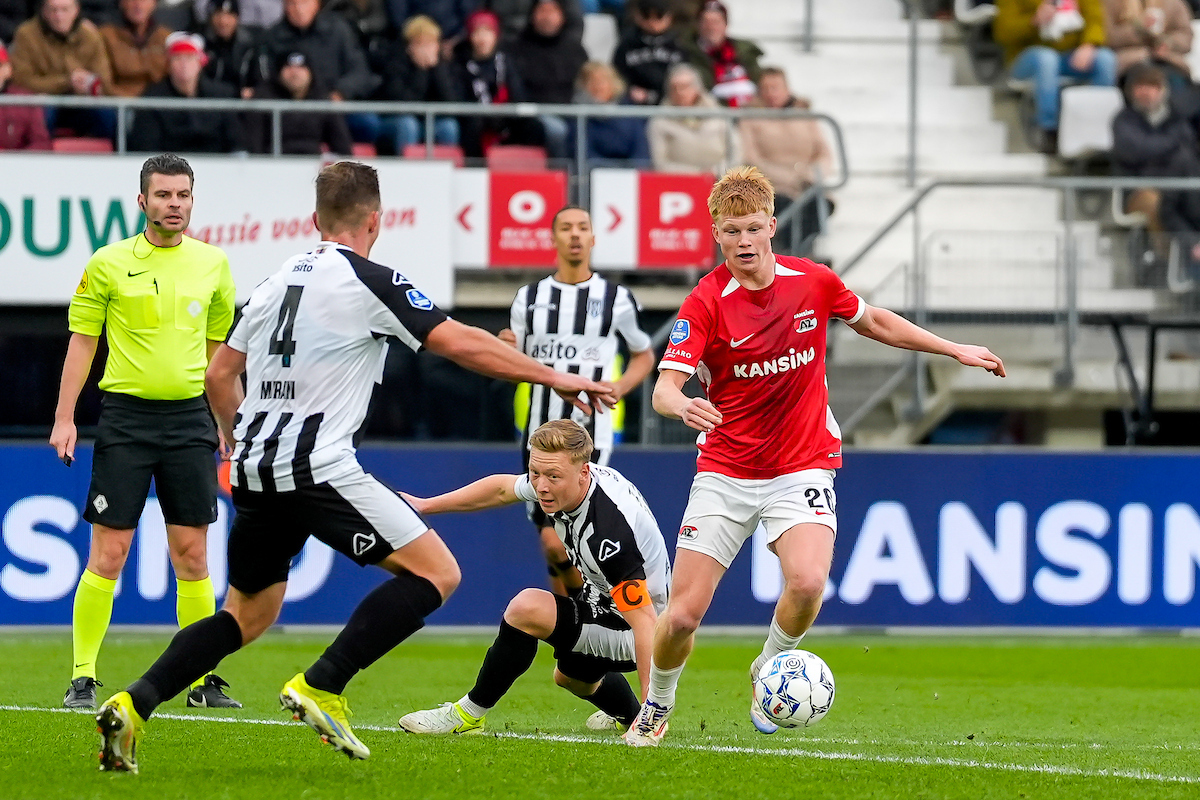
{"points": [[56, 209]]}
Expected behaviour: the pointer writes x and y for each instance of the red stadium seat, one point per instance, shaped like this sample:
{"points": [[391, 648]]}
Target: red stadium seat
{"points": [[363, 150], [82, 144], [441, 152], [516, 158]]}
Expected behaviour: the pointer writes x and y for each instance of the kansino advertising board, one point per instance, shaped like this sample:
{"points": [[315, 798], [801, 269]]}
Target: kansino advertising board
{"points": [[925, 538]]}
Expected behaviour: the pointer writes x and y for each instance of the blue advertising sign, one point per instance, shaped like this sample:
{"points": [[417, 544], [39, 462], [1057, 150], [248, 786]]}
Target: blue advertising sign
{"points": [[925, 537]]}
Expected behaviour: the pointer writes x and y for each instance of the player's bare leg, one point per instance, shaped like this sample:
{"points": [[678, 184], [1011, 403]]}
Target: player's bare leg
{"points": [[693, 584], [805, 553]]}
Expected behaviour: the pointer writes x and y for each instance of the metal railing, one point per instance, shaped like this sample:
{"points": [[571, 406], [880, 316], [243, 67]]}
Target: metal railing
{"points": [[430, 111], [1067, 315]]}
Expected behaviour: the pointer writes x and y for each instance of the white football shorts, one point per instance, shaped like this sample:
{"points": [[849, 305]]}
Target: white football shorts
{"points": [[722, 512]]}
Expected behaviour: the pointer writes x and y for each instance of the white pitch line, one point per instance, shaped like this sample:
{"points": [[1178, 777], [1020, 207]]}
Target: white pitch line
{"points": [[795, 752]]}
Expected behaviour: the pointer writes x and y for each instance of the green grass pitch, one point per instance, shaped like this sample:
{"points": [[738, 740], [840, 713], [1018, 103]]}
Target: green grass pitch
{"points": [[914, 717]]}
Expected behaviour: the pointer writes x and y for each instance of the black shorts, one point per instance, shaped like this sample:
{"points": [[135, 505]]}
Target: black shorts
{"points": [[593, 638], [357, 516], [532, 509], [172, 441]]}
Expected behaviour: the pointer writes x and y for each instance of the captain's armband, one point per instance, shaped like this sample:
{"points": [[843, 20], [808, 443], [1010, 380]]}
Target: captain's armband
{"points": [[631, 594]]}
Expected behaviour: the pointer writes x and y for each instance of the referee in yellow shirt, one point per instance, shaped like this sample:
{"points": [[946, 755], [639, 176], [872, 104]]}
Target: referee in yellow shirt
{"points": [[167, 302]]}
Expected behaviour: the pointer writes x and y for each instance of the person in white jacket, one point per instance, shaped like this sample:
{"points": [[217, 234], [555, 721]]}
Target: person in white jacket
{"points": [[692, 144]]}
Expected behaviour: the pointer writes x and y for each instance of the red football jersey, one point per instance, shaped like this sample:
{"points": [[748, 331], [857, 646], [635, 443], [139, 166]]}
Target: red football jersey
{"points": [[761, 356]]}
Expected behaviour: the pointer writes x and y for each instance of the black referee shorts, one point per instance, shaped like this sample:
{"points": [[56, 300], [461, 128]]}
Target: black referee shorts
{"points": [[171, 441]]}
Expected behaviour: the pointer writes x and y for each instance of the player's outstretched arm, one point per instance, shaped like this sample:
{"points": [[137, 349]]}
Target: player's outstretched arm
{"points": [[223, 385], [489, 492], [671, 402], [80, 351], [891, 328], [480, 351], [642, 620]]}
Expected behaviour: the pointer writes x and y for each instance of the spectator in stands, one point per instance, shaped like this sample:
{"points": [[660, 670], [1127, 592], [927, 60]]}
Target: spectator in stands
{"points": [[369, 18], [1045, 40], [303, 132], [548, 58], [414, 71], [450, 15], [59, 52], [137, 48], [1150, 30], [489, 76], [183, 130], [21, 127], [1152, 139], [331, 53], [789, 151], [692, 144], [648, 50], [231, 51], [12, 14], [612, 138], [256, 15], [514, 17], [729, 66]]}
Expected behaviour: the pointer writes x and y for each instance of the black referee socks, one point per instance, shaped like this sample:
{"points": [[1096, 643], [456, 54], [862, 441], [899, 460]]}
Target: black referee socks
{"points": [[615, 697], [194, 652], [509, 657], [393, 611]]}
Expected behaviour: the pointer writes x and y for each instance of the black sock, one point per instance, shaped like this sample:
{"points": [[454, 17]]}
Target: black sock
{"points": [[509, 657], [615, 697], [195, 651], [389, 614]]}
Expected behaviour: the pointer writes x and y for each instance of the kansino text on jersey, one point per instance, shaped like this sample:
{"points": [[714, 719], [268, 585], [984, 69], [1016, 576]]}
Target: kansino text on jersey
{"points": [[757, 369]]}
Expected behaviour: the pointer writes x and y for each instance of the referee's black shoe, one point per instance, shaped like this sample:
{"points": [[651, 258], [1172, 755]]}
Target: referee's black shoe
{"points": [[81, 693], [211, 695]]}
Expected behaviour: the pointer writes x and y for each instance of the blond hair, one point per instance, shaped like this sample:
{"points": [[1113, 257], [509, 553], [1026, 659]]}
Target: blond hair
{"points": [[420, 27], [563, 436], [742, 191], [591, 68]]}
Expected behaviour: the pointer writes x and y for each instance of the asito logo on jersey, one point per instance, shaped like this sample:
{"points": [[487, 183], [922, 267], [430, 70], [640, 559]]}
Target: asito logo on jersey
{"points": [[418, 300], [681, 331], [791, 360]]}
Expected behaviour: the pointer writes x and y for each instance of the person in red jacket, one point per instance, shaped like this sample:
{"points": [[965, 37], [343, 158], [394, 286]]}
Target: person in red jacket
{"points": [[21, 127]]}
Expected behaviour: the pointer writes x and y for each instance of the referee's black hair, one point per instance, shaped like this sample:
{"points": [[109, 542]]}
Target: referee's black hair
{"points": [[165, 164], [571, 207]]}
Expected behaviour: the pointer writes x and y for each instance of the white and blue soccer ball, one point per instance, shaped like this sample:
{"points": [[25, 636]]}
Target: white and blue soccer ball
{"points": [[794, 689]]}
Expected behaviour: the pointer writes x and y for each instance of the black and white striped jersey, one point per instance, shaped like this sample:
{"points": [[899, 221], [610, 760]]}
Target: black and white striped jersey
{"points": [[574, 328], [315, 336], [612, 535]]}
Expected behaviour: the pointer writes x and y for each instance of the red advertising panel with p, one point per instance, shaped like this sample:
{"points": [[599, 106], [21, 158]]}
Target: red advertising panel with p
{"points": [[675, 229]]}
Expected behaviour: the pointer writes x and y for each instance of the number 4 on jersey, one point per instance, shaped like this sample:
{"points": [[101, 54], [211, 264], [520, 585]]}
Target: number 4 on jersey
{"points": [[282, 343]]}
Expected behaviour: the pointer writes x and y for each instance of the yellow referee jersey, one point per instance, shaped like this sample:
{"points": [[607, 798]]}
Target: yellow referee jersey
{"points": [[160, 306]]}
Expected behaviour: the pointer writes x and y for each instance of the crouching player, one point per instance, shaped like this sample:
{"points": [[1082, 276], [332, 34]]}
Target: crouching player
{"points": [[607, 627]]}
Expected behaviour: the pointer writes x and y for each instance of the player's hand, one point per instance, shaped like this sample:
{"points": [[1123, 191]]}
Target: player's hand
{"points": [[700, 414], [569, 387], [508, 337], [63, 438], [224, 448], [416, 502], [973, 355]]}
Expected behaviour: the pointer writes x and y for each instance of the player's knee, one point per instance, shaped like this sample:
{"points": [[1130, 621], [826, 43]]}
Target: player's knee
{"points": [[804, 587], [525, 611], [680, 622], [108, 554], [445, 578], [190, 562]]}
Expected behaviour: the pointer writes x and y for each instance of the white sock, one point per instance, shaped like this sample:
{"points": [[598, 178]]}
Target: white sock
{"points": [[777, 641], [474, 709], [662, 684]]}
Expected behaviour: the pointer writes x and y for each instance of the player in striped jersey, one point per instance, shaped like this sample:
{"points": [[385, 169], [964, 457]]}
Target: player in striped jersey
{"points": [[572, 321], [312, 341]]}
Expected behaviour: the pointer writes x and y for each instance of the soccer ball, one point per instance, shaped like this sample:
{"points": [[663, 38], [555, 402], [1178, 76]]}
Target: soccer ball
{"points": [[794, 689]]}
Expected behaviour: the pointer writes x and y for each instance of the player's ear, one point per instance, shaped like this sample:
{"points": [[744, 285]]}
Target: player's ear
{"points": [[316, 222], [141, 201], [373, 222], [716, 233], [774, 223]]}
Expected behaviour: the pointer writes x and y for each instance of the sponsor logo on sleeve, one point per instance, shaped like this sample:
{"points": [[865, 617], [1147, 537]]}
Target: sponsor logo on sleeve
{"points": [[418, 300], [681, 331], [608, 549], [82, 287], [687, 532], [363, 542]]}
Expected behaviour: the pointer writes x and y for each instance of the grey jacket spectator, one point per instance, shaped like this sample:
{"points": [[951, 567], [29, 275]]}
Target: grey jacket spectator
{"points": [[788, 151], [330, 45], [231, 49], [692, 144], [255, 14], [450, 15], [648, 50], [303, 132], [547, 56], [514, 17]]}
